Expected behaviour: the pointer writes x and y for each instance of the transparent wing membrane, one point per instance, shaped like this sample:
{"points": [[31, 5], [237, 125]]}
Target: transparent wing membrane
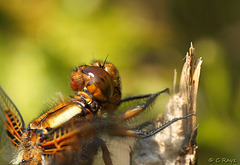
{"points": [[11, 127]]}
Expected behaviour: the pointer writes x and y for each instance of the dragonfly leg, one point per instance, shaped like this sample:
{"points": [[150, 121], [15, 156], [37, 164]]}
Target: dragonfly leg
{"points": [[105, 152], [136, 97], [143, 125], [145, 134], [140, 108]]}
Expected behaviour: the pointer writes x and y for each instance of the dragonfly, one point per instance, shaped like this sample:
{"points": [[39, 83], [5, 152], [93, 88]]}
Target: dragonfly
{"points": [[69, 133]]}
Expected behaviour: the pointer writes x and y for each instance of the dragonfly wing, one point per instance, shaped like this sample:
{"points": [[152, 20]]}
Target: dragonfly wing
{"points": [[11, 127], [71, 143]]}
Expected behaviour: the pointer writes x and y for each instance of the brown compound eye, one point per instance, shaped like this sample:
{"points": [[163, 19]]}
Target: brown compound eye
{"points": [[111, 69], [100, 84]]}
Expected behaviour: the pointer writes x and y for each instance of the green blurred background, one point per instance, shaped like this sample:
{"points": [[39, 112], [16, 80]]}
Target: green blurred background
{"points": [[42, 41]]}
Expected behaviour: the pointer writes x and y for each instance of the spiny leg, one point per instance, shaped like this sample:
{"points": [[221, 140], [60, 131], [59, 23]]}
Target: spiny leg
{"points": [[146, 134], [140, 108], [143, 125], [136, 97]]}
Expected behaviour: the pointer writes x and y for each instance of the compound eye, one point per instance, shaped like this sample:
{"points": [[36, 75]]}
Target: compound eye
{"points": [[111, 69], [100, 84]]}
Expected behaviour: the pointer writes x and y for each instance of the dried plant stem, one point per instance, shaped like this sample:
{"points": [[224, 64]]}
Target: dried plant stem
{"points": [[177, 143]]}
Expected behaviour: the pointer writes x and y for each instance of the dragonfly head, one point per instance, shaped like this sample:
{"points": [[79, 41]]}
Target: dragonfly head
{"points": [[100, 79]]}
